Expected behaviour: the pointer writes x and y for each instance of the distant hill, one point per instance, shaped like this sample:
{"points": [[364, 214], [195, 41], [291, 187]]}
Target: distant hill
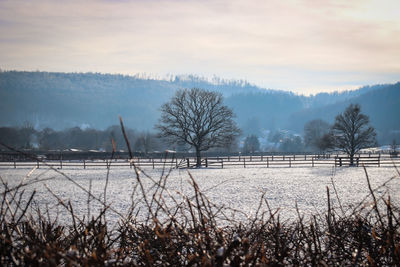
{"points": [[60, 100], [284, 110], [63, 100], [381, 103]]}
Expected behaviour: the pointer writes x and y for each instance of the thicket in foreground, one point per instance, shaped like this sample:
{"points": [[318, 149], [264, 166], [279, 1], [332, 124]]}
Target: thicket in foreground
{"points": [[195, 232]]}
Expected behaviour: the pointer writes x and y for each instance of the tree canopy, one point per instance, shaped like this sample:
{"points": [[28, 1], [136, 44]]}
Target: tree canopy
{"points": [[352, 131], [316, 133], [199, 118], [251, 144]]}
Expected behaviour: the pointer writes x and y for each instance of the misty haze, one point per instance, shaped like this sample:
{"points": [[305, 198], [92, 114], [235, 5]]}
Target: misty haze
{"points": [[200, 133], [63, 105]]}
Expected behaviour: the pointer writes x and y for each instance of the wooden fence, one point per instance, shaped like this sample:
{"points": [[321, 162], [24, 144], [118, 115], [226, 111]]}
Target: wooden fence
{"points": [[298, 161], [271, 161], [94, 164], [375, 161]]}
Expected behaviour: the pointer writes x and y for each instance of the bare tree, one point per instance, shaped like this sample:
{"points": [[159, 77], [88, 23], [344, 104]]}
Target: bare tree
{"points": [[314, 131], [291, 144], [146, 142], [27, 133], [251, 144], [199, 118], [393, 147], [327, 141], [352, 132]]}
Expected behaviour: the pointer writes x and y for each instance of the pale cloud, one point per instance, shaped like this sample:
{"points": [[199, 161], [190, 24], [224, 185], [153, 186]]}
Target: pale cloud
{"points": [[299, 45]]}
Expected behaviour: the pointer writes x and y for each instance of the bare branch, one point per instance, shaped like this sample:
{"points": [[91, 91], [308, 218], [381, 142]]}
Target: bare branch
{"points": [[198, 117]]}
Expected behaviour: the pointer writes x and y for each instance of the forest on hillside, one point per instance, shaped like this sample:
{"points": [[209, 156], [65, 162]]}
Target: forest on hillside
{"points": [[61, 101]]}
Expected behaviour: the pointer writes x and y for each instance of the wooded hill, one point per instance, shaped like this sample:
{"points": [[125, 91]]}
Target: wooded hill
{"points": [[62, 100]]}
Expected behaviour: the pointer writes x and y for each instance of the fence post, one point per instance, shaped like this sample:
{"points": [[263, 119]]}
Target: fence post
{"points": [[262, 157], [244, 162], [340, 162], [251, 158], [187, 162], [222, 164], [84, 164], [312, 160], [176, 162], [206, 162], [283, 157], [379, 160], [152, 162], [272, 157], [61, 163], [290, 163], [15, 164]]}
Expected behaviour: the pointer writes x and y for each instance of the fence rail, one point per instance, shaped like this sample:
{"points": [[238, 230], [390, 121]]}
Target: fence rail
{"points": [[271, 161]]}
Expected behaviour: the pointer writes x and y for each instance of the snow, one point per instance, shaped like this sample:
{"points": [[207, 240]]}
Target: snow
{"points": [[237, 188]]}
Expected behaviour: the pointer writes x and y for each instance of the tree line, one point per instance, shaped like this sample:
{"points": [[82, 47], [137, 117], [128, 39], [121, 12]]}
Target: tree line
{"points": [[64, 100], [197, 120], [27, 137]]}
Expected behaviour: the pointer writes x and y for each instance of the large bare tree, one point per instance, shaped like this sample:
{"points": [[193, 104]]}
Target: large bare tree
{"points": [[352, 131], [199, 118]]}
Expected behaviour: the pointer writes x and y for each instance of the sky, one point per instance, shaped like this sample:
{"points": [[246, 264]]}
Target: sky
{"points": [[305, 46]]}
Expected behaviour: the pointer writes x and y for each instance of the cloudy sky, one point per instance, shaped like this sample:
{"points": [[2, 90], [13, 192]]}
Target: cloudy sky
{"points": [[304, 46]]}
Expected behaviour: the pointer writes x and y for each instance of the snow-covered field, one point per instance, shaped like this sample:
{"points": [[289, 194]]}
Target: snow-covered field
{"points": [[235, 188]]}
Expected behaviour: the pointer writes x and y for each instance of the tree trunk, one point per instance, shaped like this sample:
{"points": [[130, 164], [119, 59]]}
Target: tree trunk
{"points": [[351, 159], [198, 156]]}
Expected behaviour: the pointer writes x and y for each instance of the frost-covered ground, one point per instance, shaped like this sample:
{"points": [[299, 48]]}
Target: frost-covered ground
{"points": [[237, 188]]}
